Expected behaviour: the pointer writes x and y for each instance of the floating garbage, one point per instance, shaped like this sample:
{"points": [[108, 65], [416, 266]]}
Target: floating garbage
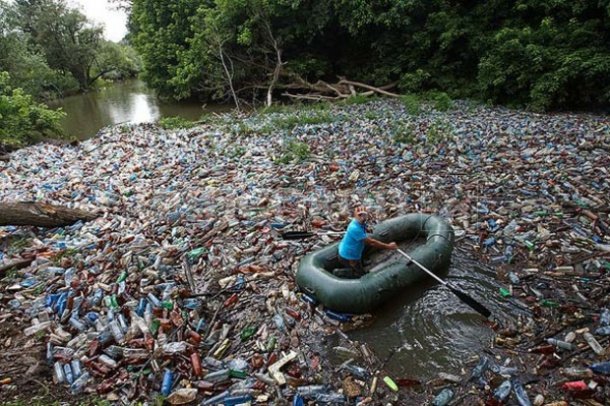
{"points": [[184, 285]]}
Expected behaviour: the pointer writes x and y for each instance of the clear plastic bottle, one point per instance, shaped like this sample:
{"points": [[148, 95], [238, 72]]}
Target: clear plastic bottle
{"points": [[593, 343], [561, 344], [79, 385], [443, 398], [503, 391], [521, 394]]}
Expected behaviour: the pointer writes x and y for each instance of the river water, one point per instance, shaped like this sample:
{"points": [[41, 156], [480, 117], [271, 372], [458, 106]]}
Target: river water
{"points": [[128, 101], [427, 329]]}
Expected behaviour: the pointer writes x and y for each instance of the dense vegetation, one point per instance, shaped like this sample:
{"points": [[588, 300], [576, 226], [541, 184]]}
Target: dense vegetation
{"points": [[49, 50], [540, 54], [22, 120]]}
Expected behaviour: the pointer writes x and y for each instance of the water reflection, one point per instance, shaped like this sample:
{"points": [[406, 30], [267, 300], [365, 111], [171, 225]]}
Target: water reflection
{"points": [[130, 101]]}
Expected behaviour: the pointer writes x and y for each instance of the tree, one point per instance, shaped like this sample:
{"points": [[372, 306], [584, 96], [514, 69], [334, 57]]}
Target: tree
{"points": [[21, 119]]}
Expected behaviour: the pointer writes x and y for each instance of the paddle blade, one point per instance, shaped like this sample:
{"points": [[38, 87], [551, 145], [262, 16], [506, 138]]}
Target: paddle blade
{"points": [[296, 235], [471, 302]]}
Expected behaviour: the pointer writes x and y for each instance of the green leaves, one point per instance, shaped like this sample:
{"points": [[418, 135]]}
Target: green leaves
{"points": [[21, 119]]}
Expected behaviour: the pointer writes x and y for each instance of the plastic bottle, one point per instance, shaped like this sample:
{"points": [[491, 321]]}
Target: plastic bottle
{"points": [[166, 385], [521, 394], [237, 400], [603, 331], [297, 400], [342, 317], [68, 374], [501, 393], [604, 317], [58, 370], [279, 322], [79, 385], [443, 398], [331, 397], [116, 331], [390, 383], [593, 343], [577, 372], [575, 386], [602, 368], [310, 390], [76, 368], [215, 400], [217, 376], [561, 344]]}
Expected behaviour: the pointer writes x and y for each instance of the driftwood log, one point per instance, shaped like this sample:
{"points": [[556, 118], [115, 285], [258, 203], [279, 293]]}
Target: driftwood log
{"points": [[40, 215]]}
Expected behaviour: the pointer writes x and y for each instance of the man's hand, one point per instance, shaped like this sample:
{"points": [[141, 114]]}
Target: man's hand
{"points": [[392, 246]]}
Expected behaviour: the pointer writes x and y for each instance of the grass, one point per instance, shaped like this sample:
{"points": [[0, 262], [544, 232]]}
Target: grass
{"points": [[173, 123], [358, 99], [294, 151], [412, 104]]}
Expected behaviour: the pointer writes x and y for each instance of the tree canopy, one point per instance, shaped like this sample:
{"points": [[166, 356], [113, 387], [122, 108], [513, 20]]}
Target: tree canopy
{"points": [[51, 49], [545, 55]]}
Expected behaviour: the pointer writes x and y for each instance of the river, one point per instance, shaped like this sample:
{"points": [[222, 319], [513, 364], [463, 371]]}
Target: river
{"points": [[128, 101]]}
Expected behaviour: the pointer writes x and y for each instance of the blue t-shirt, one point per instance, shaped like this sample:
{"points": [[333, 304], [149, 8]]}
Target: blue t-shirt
{"points": [[352, 244]]}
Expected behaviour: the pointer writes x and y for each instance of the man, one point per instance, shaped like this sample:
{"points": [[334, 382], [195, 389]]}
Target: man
{"points": [[354, 240]]}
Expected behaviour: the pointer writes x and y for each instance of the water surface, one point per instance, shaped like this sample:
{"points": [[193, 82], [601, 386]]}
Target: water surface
{"points": [[129, 101]]}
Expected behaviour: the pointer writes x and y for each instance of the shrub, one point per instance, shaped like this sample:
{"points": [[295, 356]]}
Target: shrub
{"points": [[412, 104], [22, 120], [441, 101]]}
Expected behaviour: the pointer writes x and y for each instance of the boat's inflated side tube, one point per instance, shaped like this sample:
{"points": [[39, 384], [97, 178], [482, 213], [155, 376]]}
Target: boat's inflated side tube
{"points": [[362, 295]]}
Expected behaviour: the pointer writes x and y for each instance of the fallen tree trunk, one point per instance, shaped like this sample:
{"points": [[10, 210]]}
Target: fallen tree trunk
{"points": [[40, 215], [17, 264]]}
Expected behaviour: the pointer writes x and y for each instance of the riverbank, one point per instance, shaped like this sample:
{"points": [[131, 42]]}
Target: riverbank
{"points": [[210, 201]]}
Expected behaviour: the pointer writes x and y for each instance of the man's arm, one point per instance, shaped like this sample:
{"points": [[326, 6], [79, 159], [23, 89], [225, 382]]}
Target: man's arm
{"points": [[378, 244]]}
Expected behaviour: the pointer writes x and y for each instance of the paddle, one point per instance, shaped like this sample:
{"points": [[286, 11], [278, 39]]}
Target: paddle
{"points": [[463, 296]]}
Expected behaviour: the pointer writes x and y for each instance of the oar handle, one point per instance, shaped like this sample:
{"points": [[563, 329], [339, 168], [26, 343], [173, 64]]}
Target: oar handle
{"points": [[423, 268]]}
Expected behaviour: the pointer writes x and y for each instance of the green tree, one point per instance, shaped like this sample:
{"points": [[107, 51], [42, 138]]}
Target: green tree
{"points": [[21, 119]]}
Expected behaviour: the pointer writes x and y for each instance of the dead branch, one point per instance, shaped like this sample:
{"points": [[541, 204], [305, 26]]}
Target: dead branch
{"points": [[40, 215]]}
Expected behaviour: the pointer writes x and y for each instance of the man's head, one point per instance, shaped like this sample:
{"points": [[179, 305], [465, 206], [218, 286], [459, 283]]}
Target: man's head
{"points": [[361, 215]]}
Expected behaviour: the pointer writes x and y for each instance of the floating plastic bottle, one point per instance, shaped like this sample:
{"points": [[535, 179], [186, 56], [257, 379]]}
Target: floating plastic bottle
{"points": [[443, 398], [166, 385], [602, 368], [561, 344], [503, 391], [521, 394], [79, 385], [593, 343]]}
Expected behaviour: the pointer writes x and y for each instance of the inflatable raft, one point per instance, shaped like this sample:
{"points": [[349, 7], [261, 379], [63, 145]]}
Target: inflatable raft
{"points": [[362, 295]]}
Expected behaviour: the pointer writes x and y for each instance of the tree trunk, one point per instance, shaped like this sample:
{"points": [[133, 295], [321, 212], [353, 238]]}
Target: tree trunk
{"points": [[40, 215]]}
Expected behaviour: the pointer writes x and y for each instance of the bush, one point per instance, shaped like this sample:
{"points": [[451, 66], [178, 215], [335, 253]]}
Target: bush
{"points": [[294, 151], [172, 123], [23, 121], [412, 104], [440, 100]]}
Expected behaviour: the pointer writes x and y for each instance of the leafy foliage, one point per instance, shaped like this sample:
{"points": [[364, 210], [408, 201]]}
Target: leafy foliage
{"points": [[545, 55], [51, 50], [21, 119]]}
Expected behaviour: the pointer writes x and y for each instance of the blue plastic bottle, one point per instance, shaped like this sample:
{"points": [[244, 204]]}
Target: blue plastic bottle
{"points": [[166, 386]]}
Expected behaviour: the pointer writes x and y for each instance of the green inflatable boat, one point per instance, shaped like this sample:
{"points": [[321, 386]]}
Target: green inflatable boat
{"points": [[362, 295]]}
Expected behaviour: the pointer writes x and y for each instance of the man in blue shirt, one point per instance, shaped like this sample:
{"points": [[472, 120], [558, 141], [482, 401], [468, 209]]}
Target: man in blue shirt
{"points": [[354, 240]]}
